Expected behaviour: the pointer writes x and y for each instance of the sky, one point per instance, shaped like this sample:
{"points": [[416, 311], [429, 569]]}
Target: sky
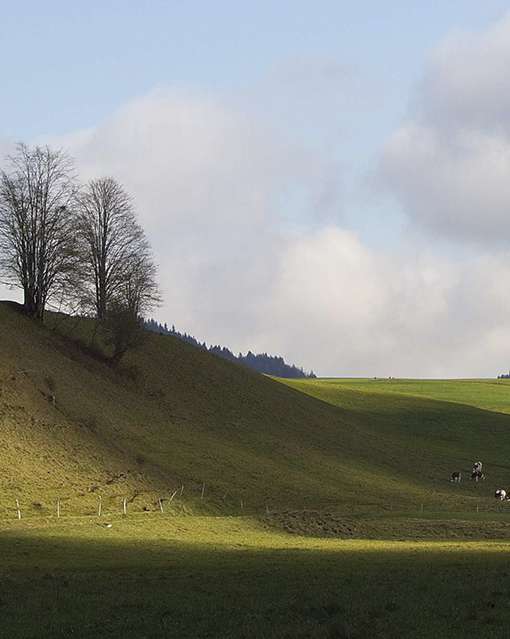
{"points": [[328, 181]]}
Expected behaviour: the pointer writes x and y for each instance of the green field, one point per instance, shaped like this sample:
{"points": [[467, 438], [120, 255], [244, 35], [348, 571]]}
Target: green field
{"points": [[487, 394], [316, 508], [151, 576]]}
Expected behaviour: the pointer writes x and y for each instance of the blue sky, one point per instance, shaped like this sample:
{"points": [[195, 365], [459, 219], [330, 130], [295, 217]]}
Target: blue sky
{"points": [[70, 64], [325, 180]]}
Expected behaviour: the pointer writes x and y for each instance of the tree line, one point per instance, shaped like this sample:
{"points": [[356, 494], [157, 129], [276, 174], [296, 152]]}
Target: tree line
{"points": [[80, 244], [261, 362]]}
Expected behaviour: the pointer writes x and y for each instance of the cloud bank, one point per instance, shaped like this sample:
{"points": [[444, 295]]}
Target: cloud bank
{"points": [[449, 163], [246, 221]]}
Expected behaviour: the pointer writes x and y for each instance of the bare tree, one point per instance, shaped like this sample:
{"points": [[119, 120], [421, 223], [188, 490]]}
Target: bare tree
{"points": [[140, 291], [138, 294], [117, 265], [37, 192], [123, 331]]}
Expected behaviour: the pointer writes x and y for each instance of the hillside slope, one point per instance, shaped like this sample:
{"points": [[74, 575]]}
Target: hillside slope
{"points": [[176, 416]]}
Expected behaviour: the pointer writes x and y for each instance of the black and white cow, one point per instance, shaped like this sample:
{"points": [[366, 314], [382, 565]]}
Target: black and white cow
{"points": [[456, 476], [500, 494], [477, 473]]}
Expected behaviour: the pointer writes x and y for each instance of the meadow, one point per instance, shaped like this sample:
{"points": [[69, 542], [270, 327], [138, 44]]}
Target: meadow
{"points": [[315, 508], [234, 577], [487, 394]]}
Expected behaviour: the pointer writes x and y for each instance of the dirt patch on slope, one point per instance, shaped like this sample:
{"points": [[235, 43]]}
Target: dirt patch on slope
{"points": [[312, 523]]}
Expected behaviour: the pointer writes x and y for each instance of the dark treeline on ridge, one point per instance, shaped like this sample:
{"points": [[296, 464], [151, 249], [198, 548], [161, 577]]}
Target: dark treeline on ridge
{"points": [[262, 362]]}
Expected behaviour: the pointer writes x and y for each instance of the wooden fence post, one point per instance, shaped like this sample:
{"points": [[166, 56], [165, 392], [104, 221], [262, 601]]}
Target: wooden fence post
{"points": [[182, 489], [203, 489], [124, 506], [99, 506], [58, 507], [18, 509], [160, 504]]}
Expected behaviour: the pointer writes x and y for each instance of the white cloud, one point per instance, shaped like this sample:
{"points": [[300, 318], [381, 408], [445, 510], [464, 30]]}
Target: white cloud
{"points": [[212, 184], [449, 164], [217, 187], [355, 311], [466, 81]]}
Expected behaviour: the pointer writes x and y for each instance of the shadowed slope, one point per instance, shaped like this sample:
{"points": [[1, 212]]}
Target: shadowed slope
{"points": [[177, 415]]}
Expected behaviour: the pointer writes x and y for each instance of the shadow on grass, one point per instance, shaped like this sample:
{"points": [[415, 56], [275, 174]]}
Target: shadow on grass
{"points": [[56, 586]]}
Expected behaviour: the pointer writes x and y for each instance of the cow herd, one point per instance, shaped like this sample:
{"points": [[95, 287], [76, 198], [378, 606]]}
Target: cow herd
{"points": [[477, 475]]}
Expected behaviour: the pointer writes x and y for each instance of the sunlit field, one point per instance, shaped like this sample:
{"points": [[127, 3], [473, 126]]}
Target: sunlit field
{"points": [[317, 508], [234, 577], [487, 394]]}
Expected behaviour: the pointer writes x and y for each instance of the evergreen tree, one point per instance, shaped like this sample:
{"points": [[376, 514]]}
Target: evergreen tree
{"points": [[262, 363]]}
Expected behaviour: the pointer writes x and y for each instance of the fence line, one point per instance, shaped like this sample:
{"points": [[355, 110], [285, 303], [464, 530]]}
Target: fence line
{"points": [[33, 511], [118, 504]]}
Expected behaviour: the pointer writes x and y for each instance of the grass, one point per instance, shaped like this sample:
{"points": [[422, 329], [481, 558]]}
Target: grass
{"points": [[231, 577], [429, 428], [487, 394], [327, 509], [175, 415]]}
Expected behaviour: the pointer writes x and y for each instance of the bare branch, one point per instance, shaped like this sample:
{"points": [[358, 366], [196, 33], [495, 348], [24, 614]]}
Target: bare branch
{"points": [[37, 223]]}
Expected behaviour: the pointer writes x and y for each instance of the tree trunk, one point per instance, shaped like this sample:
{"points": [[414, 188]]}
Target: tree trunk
{"points": [[29, 305]]}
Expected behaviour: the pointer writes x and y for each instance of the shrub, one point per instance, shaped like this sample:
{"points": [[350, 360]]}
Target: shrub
{"points": [[90, 423], [51, 384]]}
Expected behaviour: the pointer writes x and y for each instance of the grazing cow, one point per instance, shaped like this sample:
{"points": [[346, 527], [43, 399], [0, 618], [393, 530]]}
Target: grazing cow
{"points": [[456, 476], [477, 475], [477, 467], [500, 494]]}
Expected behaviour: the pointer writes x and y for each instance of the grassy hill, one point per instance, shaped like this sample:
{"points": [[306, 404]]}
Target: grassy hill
{"points": [[176, 416], [282, 466], [430, 427], [488, 394]]}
